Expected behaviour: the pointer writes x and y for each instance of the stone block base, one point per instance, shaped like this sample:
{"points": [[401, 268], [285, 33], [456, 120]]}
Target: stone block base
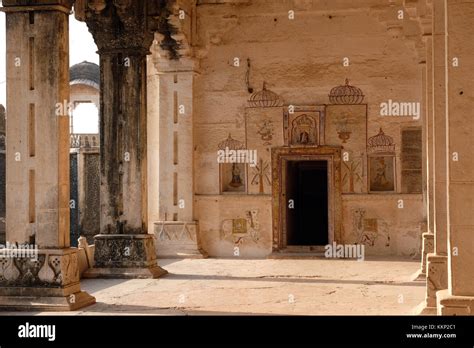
{"points": [[42, 280], [46, 303], [124, 256], [454, 305], [436, 279], [178, 239]]}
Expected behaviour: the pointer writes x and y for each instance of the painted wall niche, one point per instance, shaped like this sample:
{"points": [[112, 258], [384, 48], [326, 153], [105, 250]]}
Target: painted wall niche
{"points": [[304, 126], [232, 174], [381, 163]]}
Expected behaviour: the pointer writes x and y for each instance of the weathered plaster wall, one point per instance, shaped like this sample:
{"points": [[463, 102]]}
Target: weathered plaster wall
{"points": [[377, 222], [301, 60], [217, 212]]}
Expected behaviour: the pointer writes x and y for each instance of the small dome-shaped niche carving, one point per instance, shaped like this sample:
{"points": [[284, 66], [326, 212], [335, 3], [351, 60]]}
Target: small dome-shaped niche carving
{"points": [[381, 143], [346, 94], [231, 144], [265, 98]]}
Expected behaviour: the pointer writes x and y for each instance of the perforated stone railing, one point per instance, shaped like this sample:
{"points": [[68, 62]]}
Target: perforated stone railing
{"points": [[84, 141]]}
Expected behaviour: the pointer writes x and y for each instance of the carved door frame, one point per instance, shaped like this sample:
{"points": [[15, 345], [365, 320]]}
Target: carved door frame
{"points": [[280, 158]]}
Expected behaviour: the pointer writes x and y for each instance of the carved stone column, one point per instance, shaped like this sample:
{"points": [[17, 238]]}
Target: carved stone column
{"points": [[437, 266], [2, 173], [45, 277], [173, 68], [171, 123], [428, 235], [123, 248], [458, 299]]}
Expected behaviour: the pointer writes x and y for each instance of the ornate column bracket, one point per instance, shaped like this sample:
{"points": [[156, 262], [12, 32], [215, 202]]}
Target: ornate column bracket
{"points": [[119, 26], [129, 25]]}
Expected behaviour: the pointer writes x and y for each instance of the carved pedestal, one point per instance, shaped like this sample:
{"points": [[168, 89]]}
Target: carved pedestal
{"points": [[448, 304], [427, 248], [47, 282], [125, 256], [436, 280], [178, 239]]}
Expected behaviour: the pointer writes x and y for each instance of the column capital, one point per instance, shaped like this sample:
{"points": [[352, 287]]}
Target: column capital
{"points": [[118, 25]]}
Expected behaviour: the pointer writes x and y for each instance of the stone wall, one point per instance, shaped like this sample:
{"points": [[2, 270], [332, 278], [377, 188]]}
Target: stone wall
{"points": [[301, 60], [377, 222]]}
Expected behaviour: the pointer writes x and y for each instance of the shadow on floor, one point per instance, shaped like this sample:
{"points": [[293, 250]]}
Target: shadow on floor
{"points": [[289, 279], [119, 309]]}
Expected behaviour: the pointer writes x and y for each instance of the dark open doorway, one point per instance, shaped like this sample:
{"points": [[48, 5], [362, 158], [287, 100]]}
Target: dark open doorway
{"points": [[307, 210]]}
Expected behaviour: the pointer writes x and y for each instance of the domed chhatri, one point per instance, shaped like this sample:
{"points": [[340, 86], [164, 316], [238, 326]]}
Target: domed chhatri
{"points": [[231, 144], [381, 143], [85, 73], [346, 94], [265, 98]]}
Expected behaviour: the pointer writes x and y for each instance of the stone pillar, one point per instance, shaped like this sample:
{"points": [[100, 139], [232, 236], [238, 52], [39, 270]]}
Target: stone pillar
{"points": [[458, 299], [45, 277], [2, 174], [428, 235], [171, 123], [437, 262], [123, 248], [429, 126]]}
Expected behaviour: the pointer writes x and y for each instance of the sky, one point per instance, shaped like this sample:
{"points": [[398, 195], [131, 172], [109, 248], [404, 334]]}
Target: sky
{"points": [[81, 46]]}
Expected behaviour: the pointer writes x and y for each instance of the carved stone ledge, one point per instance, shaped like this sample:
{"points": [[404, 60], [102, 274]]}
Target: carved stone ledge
{"points": [[49, 281], [178, 239], [124, 256]]}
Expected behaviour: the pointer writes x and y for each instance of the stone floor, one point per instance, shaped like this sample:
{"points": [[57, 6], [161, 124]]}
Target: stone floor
{"points": [[230, 286]]}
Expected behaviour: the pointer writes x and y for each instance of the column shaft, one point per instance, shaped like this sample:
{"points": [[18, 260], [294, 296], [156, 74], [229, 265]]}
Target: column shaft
{"points": [[437, 272], [459, 299], [45, 276]]}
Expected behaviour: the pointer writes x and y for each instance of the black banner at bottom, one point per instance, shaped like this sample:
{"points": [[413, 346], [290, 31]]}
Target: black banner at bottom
{"points": [[170, 331]]}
